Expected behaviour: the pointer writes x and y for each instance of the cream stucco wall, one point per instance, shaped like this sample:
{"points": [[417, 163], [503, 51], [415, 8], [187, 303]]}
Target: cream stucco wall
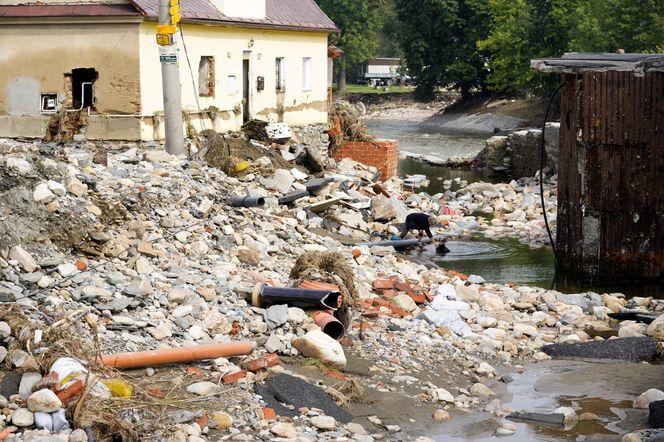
{"points": [[228, 46], [36, 57]]}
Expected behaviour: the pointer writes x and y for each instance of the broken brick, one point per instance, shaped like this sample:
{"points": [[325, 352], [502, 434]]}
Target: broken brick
{"points": [[269, 414], [317, 285], [383, 284], [202, 422], [235, 328], [403, 286], [390, 293], [80, 265], [156, 392], [333, 374], [234, 377], [263, 362], [356, 253], [400, 312], [195, 371], [371, 312], [419, 299], [346, 341]]}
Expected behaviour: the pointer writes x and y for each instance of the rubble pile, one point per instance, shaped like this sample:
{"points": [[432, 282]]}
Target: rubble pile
{"points": [[160, 261]]}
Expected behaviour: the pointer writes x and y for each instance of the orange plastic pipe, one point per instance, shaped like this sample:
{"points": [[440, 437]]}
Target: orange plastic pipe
{"points": [[329, 324], [174, 355]]}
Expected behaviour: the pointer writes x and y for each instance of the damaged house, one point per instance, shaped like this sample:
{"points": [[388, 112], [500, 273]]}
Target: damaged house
{"points": [[264, 59]]}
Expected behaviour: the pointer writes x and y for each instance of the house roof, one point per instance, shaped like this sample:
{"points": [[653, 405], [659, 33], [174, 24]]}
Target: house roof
{"points": [[385, 62], [576, 62], [334, 52], [299, 15], [74, 10], [296, 15]]}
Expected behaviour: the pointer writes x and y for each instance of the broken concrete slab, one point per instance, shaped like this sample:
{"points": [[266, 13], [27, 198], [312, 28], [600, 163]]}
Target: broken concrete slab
{"points": [[556, 419], [622, 349], [285, 389]]}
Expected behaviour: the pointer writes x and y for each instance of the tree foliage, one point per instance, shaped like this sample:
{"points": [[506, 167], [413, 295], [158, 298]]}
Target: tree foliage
{"points": [[438, 38]]}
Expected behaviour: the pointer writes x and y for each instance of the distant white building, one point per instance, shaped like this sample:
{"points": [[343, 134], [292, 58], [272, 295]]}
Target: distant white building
{"points": [[380, 72]]}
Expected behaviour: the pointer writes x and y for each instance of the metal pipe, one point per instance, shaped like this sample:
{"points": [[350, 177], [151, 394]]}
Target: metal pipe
{"points": [[170, 79], [173, 355], [246, 201], [82, 99], [266, 296], [330, 325], [400, 243]]}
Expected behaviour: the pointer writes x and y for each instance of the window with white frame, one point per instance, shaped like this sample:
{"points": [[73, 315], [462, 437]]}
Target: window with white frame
{"points": [[306, 73], [280, 74]]}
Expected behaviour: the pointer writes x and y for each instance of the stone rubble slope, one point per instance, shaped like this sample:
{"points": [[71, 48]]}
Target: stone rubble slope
{"points": [[154, 253]]}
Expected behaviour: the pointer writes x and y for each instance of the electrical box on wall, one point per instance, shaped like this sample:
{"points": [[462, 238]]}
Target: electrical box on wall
{"points": [[260, 83], [48, 103]]}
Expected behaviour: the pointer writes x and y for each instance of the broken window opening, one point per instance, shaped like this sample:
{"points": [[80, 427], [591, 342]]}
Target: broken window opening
{"points": [[206, 76], [280, 74], [82, 91]]}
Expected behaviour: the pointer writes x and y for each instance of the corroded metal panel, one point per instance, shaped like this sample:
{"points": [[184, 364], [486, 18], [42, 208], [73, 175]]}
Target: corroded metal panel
{"points": [[611, 175]]}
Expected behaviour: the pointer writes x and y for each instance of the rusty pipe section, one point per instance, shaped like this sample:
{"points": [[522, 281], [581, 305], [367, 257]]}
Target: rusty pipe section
{"points": [[174, 355], [330, 325], [307, 299], [246, 201]]}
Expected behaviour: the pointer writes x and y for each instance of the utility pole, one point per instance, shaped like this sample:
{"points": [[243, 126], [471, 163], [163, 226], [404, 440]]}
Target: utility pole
{"points": [[169, 17]]}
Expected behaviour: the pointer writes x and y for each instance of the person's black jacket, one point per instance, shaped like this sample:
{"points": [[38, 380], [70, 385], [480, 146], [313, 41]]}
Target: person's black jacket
{"points": [[416, 221]]}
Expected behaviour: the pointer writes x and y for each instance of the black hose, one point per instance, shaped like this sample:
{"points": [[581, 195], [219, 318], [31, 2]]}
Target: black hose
{"points": [[541, 181]]}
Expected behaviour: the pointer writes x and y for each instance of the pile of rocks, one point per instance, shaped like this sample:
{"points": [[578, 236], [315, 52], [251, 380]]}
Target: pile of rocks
{"points": [[162, 261]]}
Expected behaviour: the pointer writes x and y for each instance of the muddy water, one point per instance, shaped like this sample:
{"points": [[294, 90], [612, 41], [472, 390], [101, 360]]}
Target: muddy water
{"points": [[604, 389]]}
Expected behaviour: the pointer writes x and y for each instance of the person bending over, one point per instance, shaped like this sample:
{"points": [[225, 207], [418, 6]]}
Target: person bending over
{"points": [[420, 222]]}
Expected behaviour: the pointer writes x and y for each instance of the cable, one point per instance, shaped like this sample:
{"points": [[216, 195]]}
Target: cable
{"points": [[541, 181], [193, 82]]}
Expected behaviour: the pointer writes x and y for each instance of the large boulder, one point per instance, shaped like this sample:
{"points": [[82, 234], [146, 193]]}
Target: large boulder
{"points": [[656, 329], [318, 345]]}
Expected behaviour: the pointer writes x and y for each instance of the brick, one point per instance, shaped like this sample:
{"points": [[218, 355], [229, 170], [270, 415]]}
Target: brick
{"points": [[333, 374], [269, 414], [383, 284], [234, 377], [195, 371], [418, 298], [403, 286], [390, 293], [267, 361], [401, 313], [80, 265]]}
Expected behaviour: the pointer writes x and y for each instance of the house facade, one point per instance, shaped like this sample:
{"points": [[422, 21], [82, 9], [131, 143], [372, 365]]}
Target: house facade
{"points": [[263, 59]]}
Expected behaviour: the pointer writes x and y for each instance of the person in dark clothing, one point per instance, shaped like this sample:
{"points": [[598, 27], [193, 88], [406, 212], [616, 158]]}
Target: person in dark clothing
{"points": [[420, 222]]}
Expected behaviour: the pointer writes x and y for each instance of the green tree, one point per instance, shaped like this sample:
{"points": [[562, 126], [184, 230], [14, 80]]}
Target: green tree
{"points": [[360, 21], [438, 38]]}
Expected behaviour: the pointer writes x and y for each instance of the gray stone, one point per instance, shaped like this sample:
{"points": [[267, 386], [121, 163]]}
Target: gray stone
{"points": [[42, 194], [276, 316], [624, 349], [23, 417], [67, 270], [204, 388], [24, 258], [5, 331], [28, 381], [44, 401], [324, 422]]}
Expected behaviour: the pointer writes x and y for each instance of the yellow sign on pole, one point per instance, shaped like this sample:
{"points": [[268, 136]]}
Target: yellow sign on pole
{"points": [[164, 39], [166, 29]]}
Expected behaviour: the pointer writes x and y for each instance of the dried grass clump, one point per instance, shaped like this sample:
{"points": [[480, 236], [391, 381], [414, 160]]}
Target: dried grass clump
{"points": [[314, 265], [352, 126]]}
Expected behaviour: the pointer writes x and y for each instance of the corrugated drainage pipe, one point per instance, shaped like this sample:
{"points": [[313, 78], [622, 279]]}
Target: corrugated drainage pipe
{"points": [[175, 355], [266, 296], [246, 201], [330, 325]]}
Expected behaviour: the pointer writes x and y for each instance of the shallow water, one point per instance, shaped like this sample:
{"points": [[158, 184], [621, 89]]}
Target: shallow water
{"points": [[428, 140], [604, 389]]}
